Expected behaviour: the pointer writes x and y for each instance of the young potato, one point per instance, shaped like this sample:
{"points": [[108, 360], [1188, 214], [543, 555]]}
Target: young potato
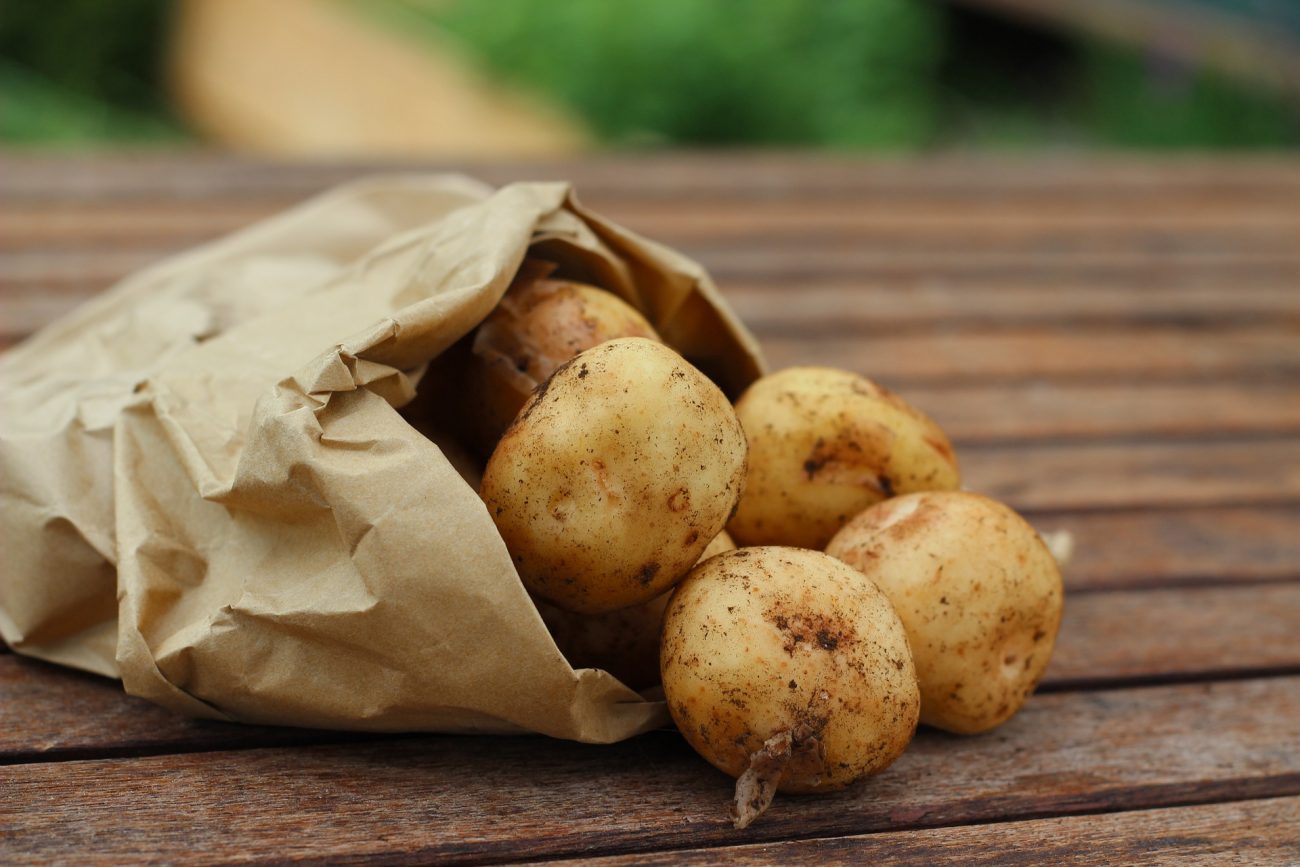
{"points": [[978, 591], [625, 642], [823, 445], [617, 473], [539, 325], [787, 670]]}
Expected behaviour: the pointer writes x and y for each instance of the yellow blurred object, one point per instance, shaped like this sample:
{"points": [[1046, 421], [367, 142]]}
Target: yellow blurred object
{"points": [[312, 78]]}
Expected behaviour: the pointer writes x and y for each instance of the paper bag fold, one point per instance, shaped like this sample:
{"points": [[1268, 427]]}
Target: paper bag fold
{"points": [[212, 487]]}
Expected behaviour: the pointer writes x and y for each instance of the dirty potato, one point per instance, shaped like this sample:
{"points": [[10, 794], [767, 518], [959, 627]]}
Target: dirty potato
{"points": [[615, 476], [787, 669], [976, 588], [625, 642], [823, 445], [539, 324]]}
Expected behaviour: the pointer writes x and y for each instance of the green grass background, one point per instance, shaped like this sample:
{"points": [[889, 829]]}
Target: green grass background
{"points": [[895, 75]]}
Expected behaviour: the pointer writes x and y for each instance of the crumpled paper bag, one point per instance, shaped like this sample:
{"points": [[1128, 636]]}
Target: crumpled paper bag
{"points": [[210, 489]]}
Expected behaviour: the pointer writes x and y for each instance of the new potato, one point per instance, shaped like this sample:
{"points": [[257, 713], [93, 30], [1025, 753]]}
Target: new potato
{"points": [[824, 444], [539, 325], [787, 669], [615, 476], [624, 642], [977, 590]]}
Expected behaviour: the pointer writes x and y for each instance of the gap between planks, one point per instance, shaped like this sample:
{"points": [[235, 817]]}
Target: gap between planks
{"points": [[743, 176], [1259, 830], [477, 799], [1138, 353], [892, 308], [1118, 639], [975, 412], [1061, 225], [784, 264]]}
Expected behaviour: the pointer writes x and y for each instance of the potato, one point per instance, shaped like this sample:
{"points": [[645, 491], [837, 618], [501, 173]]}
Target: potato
{"points": [[625, 642], [978, 591], [787, 669], [615, 476], [539, 325], [823, 445]]}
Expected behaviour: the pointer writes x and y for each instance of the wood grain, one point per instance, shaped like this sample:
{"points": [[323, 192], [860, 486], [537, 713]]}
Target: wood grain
{"points": [[1107, 475], [1063, 411], [473, 800], [1176, 634], [51, 713], [974, 411], [817, 307], [1178, 547], [1106, 638], [86, 270], [1114, 346], [944, 357], [979, 226], [676, 176], [1143, 353], [879, 306], [1256, 832]]}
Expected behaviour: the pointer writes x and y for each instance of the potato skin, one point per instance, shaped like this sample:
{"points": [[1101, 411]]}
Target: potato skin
{"points": [[759, 641], [617, 473], [977, 590], [624, 642], [539, 325], [823, 445]]}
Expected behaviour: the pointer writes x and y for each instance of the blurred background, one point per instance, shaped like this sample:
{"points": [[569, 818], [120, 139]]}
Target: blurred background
{"points": [[345, 78]]}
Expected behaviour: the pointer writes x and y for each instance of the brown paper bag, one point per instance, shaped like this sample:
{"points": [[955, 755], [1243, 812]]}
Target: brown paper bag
{"points": [[209, 490]]}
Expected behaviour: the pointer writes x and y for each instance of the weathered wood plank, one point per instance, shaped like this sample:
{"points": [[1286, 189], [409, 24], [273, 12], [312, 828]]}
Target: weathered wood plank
{"points": [[1108, 475], [1110, 637], [85, 270], [1168, 351], [1177, 634], [476, 800], [977, 225], [816, 309], [972, 412], [1258, 832], [671, 176], [866, 306], [1140, 353], [48, 712], [1164, 548], [790, 264], [1061, 411]]}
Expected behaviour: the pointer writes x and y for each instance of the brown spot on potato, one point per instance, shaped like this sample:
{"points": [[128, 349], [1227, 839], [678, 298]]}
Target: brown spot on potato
{"points": [[679, 500], [816, 629], [811, 466], [648, 573]]}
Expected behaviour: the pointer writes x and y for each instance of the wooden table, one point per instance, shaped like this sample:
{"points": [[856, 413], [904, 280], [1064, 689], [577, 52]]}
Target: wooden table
{"points": [[1115, 348]]}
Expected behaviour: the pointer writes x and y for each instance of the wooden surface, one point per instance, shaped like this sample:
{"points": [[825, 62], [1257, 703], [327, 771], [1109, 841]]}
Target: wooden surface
{"points": [[1115, 348]]}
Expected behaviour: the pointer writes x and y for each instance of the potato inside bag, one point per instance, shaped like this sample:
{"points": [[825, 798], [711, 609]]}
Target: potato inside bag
{"points": [[233, 482]]}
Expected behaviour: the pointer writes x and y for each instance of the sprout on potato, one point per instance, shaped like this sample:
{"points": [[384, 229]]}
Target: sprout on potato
{"points": [[977, 590], [823, 445], [617, 473], [540, 324], [787, 670]]}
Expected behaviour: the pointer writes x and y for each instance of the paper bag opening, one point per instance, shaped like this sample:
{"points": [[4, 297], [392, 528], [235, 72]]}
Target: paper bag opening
{"points": [[223, 495]]}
